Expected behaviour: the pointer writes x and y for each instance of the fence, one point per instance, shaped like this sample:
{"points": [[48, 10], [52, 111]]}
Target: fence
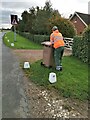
{"points": [[68, 42]]}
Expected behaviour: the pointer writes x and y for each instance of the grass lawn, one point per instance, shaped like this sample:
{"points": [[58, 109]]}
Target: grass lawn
{"points": [[21, 43], [71, 82]]}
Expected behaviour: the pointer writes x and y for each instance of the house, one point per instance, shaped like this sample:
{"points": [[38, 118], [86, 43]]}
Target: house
{"points": [[80, 21]]}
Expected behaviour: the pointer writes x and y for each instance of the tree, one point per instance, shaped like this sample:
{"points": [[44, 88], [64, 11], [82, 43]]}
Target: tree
{"points": [[48, 6], [41, 20], [23, 24], [64, 25], [40, 24]]}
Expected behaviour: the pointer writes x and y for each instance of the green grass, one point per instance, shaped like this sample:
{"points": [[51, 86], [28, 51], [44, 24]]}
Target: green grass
{"points": [[21, 43], [71, 82]]}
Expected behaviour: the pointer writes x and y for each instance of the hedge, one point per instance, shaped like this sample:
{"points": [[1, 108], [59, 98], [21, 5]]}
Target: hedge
{"points": [[80, 45], [36, 38], [40, 38]]}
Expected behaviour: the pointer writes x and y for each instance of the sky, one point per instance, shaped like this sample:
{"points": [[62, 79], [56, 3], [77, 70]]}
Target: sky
{"points": [[65, 8]]}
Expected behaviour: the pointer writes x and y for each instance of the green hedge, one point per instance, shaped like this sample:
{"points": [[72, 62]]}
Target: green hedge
{"points": [[40, 38], [36, 38], [80, 45]]}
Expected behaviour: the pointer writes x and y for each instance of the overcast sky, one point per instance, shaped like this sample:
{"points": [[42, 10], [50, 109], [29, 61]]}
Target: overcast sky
{"points": [[65, 7]]}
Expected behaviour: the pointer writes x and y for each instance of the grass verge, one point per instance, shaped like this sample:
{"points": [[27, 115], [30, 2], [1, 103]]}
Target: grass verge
{"points": [[21, 42], [71, 82]]}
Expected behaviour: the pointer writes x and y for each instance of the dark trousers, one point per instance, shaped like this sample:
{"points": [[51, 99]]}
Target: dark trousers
{"points": [[58, 53]]}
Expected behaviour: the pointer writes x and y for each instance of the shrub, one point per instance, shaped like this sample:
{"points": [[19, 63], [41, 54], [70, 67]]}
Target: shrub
{"points": [[65, 26], [36, 38], [80, 45], [86, 38], [40, 38]]}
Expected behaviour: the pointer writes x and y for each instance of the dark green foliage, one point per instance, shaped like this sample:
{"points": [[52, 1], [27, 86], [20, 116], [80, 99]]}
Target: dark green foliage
{"points": [[36, 38], [64, 26], [41, 20], [81, 45], [40, 38]]}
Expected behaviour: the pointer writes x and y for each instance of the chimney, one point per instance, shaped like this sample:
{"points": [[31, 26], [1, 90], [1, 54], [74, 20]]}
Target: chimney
{"points": [[89, 7]]}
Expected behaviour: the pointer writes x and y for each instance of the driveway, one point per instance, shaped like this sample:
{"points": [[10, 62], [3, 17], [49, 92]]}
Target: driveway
{"points": [[33, 55]]}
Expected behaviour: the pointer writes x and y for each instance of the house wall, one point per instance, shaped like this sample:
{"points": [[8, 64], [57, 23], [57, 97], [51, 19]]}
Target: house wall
{"points": [[78, 25]]}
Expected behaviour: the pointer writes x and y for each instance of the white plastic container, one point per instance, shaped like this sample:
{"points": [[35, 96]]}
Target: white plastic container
{"points": [[52, 77], [8, 40], [26, 65], [12, 44]]}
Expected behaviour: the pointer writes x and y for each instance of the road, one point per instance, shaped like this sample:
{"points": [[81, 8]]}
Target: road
{"points": [[14, 103], [1, 75]]}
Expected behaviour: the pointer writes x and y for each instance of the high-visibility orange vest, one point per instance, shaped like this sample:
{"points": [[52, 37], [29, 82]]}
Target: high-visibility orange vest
{"points": [[56, 39]]}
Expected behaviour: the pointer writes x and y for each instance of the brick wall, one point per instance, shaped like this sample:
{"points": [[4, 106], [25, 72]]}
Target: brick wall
{"points": [[78, 25]]}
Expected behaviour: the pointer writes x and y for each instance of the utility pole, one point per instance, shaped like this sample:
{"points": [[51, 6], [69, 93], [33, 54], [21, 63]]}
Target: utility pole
{"points": [[14, 33]]}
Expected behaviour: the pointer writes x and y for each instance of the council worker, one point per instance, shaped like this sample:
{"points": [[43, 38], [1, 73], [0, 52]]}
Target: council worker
{"points": [[57, 42]]}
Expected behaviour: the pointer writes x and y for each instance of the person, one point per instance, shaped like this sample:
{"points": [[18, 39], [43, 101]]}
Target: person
{"points": [[57, 42]]}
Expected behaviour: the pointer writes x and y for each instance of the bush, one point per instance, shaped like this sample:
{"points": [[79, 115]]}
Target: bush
{"points": [[36, 38], [77, 47], [40, 38], [80, 45], [65, 26], [86, 38]]}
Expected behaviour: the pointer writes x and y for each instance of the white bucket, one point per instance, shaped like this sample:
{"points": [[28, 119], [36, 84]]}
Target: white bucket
{"points": [[52, 77], [26, 65], [12, 44], [8, 40]]}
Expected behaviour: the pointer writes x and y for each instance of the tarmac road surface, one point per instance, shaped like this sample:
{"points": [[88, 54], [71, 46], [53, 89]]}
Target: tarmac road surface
{"points": [[1, 75], [14, 102]]}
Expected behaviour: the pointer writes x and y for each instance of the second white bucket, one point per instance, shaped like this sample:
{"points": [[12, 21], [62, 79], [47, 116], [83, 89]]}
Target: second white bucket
{"points": [[26, 65], [52, 77]]}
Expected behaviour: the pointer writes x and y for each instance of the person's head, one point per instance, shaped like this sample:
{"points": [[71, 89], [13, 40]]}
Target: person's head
{"points": [[54, 28]]}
